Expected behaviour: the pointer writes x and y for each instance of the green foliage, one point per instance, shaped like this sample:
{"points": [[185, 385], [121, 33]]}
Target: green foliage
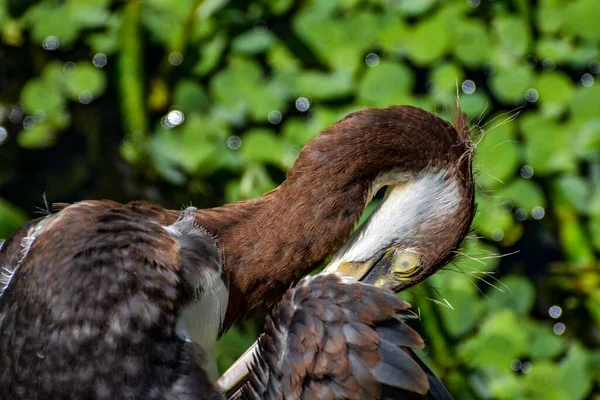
{"points": [[203, 89]]}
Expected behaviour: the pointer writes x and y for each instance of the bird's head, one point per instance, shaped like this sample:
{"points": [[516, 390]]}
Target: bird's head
{"points": [[423, 217]]}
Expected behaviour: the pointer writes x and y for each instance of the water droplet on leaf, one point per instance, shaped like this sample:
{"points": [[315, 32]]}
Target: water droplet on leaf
{"points": [[587, 80], [51, 43], [274, 117], [555, 311], [99, 60], [559, 328], [175, 58], [372, 60], [302, 104], [234, 142], [468, 87], [526, 171]]}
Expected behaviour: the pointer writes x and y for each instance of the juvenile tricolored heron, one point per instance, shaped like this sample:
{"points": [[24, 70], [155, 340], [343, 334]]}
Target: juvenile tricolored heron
{"points": [[265, 245]]}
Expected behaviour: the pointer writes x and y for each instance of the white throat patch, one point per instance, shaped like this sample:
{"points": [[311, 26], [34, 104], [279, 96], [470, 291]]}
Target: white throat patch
{"points": [[407, 206]]}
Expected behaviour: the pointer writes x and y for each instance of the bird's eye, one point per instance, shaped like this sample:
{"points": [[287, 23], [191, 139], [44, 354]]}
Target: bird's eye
{"points": [[406, 263]]}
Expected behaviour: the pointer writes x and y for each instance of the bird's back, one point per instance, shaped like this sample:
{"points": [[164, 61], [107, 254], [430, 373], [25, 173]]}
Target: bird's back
{"points": [[89, 309]]}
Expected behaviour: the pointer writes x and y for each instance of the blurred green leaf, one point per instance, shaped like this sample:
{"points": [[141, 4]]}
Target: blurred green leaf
{"points": [[493, 220], [576, 190], [471, 43], [261, 145], [497, 156], [195, 146], [555, 91], [548, 147], [38, 95], [190, 97], [461, 294], [581, 19], [513, 34], [550, 15], [544, 342], [523, 193], [322, 86], [412, 8], [210, 54], [39, 136], [422, 49], [573, 374], [585, 101], [253, 42], [510, 85], [499, 331], [46, 20], [84, 78], [340, 44], [446, 77], [515, 293], [385, 85], [11, 218]]}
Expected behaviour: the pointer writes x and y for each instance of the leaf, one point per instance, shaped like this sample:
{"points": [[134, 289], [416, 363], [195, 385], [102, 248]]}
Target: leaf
{"points": [[446, 77], [340, 44], [550, 16], [461, 294], [471, 43], [510, 84], [518, 295], [497, 156], [196, 146], [385, 85], [85, 78], [421, 48], [296, 130], [253, 42], [11, 218], [414, 8], [89, 13], [548, 145], [573, 373], [261, 145], [493, 220], [576, 190], [317, 85], [524, 193], [513, 34], [46, 20], [584, 103], [474, 104], [38, 95], [544, 342], [39, 136], [189, 96], [499, 331], [240, 90], [555, 91], [581, 18], [210, 54]]}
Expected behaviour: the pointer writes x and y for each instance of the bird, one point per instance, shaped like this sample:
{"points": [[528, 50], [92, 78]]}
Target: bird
{"points": [[269, 243]]}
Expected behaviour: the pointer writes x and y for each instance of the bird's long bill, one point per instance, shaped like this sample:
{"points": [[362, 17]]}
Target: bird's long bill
{"points": [[231, 382]]}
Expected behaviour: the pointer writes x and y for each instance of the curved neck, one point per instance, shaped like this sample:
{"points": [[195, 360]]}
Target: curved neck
{"points": [[271, 242]]}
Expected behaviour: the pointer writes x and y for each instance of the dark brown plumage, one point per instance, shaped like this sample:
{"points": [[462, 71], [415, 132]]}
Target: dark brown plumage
{"points": [[92, 302], [335, 338]]}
